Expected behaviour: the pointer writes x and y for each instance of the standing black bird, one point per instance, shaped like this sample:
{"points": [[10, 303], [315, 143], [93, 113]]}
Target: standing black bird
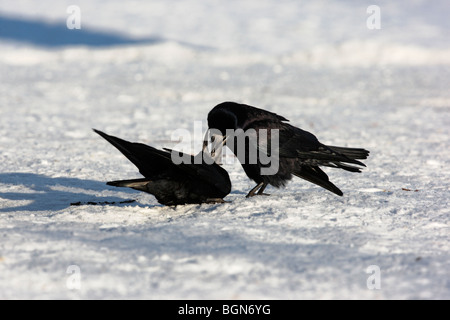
{"points": [[299, 152], [172, 184]]}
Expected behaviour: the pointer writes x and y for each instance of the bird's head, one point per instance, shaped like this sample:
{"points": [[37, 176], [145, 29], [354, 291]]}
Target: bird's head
{"points": [[223, 118], [222, 121]]}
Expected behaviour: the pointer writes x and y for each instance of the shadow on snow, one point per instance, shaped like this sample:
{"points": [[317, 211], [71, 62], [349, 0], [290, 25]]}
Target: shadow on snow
{"points": [[46, 193], [56, 34]]}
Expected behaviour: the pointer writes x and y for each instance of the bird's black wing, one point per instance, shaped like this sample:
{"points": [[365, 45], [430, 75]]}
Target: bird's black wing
{"points": [[211, 174], [303, 145], [244, 114], [294, 140], [315, 175], [252, 115], [274, 137], [151, 162]]}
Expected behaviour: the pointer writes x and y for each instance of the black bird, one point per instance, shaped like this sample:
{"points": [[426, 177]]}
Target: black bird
{"points": [[173, 184], [300, 153]]}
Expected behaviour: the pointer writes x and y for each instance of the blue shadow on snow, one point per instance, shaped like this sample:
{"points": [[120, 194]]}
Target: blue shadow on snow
{"points": [[55, 35], [52, 194]]}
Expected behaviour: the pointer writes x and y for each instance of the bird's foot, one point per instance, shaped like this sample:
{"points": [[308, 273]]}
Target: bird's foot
{"points": [[257, 194], [260, 188]]}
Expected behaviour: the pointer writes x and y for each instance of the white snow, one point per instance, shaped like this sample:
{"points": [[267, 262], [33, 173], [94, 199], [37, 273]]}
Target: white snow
{"points": [[316, 63]]}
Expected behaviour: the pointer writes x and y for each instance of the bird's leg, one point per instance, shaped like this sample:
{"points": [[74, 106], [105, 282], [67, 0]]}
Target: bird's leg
{"points": [[261, 191], [252, 192]]}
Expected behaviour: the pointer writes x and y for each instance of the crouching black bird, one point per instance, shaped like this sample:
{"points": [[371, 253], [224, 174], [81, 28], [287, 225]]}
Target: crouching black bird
{"points": [[193, 182], [298, 152]]}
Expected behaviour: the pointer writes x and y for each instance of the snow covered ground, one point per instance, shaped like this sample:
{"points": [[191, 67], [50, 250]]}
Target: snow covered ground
{"points": [[141, 69]]}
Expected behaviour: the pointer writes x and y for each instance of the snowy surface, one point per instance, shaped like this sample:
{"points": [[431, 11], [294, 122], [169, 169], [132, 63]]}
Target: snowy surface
{"points": [[141, 70]]}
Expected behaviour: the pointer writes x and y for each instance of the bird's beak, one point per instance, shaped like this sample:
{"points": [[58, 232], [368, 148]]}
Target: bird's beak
{"points": [[205, 141], [217, 143]]}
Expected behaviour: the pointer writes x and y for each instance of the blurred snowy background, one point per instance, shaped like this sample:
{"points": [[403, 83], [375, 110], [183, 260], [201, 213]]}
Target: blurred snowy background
{"points": [[141, 69]]}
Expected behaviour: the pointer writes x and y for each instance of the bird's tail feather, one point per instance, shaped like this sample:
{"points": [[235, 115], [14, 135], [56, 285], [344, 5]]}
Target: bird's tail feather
{"points": [[352, 153], [138, 184], [338, 157], [146, 158], [315, 175], [340, 165], [325, 156]]}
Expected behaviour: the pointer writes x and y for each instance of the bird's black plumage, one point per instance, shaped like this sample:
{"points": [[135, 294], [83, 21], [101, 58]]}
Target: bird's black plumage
{"points": [[172, 184], [300, 153]]}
